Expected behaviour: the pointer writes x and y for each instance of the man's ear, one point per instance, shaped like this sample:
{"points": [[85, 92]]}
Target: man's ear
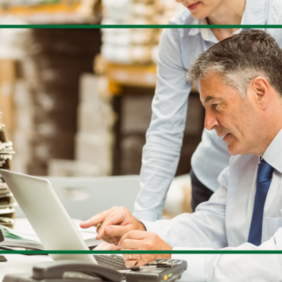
{"points": [[261, 89]]}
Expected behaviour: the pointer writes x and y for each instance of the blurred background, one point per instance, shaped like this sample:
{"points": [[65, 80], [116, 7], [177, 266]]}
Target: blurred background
{"points": [[77, 102]]}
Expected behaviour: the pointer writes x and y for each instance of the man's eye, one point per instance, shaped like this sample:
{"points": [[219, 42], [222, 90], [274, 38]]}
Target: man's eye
{"points": [[214, 106]]}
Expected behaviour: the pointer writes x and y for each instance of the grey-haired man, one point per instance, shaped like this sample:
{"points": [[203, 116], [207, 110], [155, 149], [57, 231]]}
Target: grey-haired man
{"points": [[240, 82]]}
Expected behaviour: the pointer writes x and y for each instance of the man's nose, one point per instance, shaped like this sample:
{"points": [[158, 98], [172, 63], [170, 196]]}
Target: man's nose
{"points": [[210, 121], [178, 1]]}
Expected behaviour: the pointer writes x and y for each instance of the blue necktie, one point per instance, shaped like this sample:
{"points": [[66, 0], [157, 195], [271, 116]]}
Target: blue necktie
{"points": [[264, 176]]}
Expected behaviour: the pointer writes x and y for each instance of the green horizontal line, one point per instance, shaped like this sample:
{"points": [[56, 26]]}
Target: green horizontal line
{"points": [[133, 26], [26, 252]]}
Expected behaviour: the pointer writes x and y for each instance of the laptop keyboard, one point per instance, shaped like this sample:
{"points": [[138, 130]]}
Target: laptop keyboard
{"points": [[112, 261]]}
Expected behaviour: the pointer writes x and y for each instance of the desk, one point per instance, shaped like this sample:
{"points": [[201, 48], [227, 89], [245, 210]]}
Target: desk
{"points": [[23, 263], [20, 264]]}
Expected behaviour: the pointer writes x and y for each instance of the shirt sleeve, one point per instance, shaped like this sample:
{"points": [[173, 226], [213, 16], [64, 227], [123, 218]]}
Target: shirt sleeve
{"points": [[205, 230], [235, 267], [202, 229], [165, 134]]}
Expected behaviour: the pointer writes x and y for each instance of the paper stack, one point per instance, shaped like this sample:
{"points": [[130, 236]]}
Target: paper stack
{"points": [[28, 239], [7, 211]]}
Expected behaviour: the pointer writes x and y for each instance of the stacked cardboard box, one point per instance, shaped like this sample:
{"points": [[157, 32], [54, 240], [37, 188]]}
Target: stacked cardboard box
{"points": [[130, 46], [56, 59], [94, 138], [135, 115], [7, 80], [134, 112], [23, 126], [14, 104]]}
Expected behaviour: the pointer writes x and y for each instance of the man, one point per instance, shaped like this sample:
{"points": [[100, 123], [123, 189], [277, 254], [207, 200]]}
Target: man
{"points": [[240, 83]]}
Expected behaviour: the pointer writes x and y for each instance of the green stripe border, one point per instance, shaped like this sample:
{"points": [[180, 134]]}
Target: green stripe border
{"points": [[125, 26], [208, 252], [89, 26]]}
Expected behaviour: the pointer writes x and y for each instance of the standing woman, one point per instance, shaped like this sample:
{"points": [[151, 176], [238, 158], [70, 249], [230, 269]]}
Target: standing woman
{"points": [[179, 47]]}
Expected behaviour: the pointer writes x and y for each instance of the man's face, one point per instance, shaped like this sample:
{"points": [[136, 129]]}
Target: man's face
{"points": [[201, 9], [234, 118]]}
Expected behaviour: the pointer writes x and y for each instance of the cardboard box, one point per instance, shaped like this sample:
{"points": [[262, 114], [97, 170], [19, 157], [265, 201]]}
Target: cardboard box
{"points": [[95, 149], [7, 79], [46, 146], [22, 142], [136, 112], [94, 117], [92, 88]]}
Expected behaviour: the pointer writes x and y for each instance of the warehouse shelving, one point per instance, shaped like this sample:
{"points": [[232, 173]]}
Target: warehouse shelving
{"points": [[38, 9], [120, 75]]}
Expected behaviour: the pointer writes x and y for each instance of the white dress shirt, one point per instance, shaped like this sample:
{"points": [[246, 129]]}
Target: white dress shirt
{"points": [[224, 221], [178, 49]]}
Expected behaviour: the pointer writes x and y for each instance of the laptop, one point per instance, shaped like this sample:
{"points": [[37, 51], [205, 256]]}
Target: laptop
{"points": [[50, 220], [57, 231]]}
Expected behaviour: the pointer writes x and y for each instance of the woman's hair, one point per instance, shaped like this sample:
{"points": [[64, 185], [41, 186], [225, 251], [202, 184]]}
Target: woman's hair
{"points": [[240, 58]]}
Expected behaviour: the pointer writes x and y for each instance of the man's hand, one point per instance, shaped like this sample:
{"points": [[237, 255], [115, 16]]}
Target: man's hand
{"points": [[140, 240], [112, 224]]}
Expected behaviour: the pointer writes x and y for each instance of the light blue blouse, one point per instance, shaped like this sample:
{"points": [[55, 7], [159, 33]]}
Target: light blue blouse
{"points": [[178, 49]]}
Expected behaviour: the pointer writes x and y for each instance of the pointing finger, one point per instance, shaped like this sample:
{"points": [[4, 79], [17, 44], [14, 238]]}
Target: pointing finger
{"points": [[95, 219]]}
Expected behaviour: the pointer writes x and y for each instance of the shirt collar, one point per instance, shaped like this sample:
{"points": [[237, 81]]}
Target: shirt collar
{"points": [[255, 13], [273, 153], [194, 31], [205, 32]]}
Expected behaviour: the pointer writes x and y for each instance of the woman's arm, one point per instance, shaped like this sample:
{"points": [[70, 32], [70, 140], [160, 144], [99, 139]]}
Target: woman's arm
{"points": [[165, 134]]}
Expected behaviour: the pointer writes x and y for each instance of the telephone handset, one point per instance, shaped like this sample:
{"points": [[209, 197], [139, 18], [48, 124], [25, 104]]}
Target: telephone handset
{"points": [[1, 236], [54, 271]]}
